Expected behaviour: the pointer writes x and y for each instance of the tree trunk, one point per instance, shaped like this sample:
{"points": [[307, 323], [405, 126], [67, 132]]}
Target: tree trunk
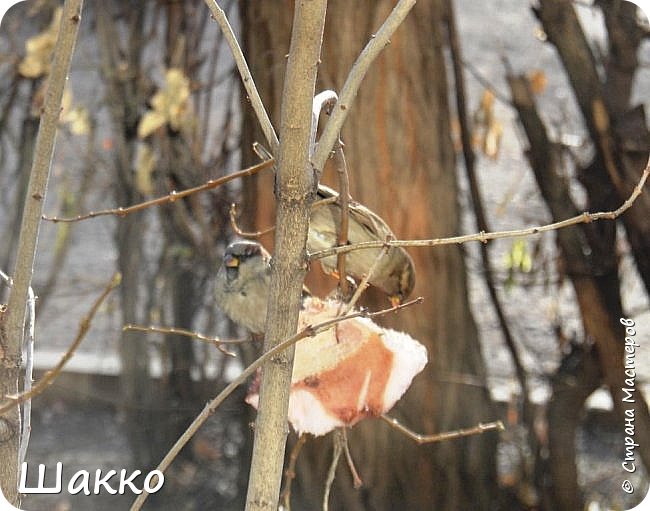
{"points": [[402, 166]]}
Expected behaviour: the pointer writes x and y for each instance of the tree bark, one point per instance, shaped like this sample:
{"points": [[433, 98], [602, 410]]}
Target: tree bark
{"points": [[295, 188], [401, 161]]}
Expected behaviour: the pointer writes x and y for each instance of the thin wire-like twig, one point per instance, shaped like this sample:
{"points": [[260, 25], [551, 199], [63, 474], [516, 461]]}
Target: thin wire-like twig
{"points": [[26, 422], [484, 237], [249, 84], [344, 194], [26, 427], [447, 435], [331, 473], [363, 285], [50, 376], [171, 197], [290, 472], [351, 86], [240, 232], [210, 408], [218, 343], [356, 479]]}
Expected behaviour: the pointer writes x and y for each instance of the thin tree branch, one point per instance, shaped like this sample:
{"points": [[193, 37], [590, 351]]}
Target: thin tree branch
{"points": [[484, 237], [356, 480], [344, 194], [211, 407], [295, 186], [363, 285], [29, 367], [349, 91], [29, 229], [218, 343], [249, 84], [290, 472], [244, 234], [448, 435], [171, 197], [331, 473], [51, 375], [29, 375]]}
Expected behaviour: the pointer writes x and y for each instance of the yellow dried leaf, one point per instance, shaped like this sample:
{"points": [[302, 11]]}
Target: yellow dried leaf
{"points": [[75, 117], [145, 163], [492, 140], [487, 131], [537, 80], [177, 85], [487, 101], [150, 122], [38, 50], [78, 121], [170, 104]]}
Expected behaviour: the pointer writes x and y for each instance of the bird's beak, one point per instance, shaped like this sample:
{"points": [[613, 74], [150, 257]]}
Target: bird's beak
{"points": [[395, 300], [230, 261]]}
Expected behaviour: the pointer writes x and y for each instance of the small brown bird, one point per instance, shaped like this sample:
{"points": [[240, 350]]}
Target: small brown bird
{"points": [[395, 273], [242, 286]]}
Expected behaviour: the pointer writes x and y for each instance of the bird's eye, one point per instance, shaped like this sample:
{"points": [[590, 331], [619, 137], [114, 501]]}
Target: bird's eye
{"points": [[232, 273]]}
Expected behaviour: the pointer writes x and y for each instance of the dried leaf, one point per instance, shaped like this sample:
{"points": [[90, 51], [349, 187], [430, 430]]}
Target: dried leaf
{"points": [[150, 122], [492, 139], [76, 117], [487, 132], [170, 105], [39, 49], [145, 163], [537, 80]]}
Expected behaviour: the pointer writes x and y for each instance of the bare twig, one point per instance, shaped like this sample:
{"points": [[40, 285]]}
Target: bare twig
{"points": [[349, 91], [290, 472], [26, 426], [29, 374], [262, 116], [187, 333], [29, 229], [344, 194], [484, 237], [448, 435], [211, 407], [50, 376], [172, 197], [356, 480], [331, 473], [244, 234], [257, 234], [364, 281]]}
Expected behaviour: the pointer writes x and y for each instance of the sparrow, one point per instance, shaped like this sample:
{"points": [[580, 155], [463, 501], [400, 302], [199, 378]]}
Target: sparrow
{"points": [[242, 284], [394, 274]]}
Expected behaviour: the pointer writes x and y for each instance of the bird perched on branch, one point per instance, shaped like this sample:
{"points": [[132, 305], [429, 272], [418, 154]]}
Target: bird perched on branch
{"points": [[242, 286], [340, 376], [394, 274]]}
